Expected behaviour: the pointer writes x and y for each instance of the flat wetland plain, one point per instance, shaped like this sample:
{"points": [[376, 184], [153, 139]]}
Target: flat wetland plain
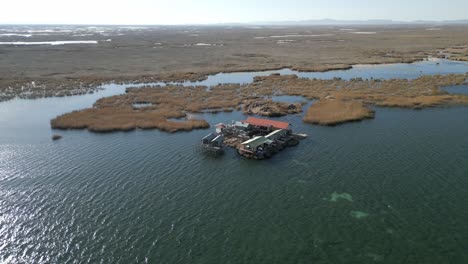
{"points": [[164, 54], [391, 188], [146, 54]]}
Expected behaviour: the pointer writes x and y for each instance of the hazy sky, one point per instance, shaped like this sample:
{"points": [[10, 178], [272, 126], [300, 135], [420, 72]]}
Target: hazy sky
{"points": [[215, 11]]}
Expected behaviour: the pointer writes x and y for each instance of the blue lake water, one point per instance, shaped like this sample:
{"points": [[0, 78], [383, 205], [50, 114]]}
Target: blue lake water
{"points": [[458, 89], [383, 71], [389, 190]]}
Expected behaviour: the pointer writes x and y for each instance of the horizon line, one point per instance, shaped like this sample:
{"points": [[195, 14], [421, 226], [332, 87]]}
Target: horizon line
{"points": [[265, 23]]}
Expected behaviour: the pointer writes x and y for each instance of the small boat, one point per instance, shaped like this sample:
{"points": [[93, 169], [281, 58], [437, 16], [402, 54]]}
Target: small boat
{"points": [[300, 135]]}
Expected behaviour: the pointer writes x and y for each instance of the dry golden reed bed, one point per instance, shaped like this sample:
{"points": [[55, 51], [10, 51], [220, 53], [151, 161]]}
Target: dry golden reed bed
{"points": [[335, 111], [348, 100], [111, 119]]}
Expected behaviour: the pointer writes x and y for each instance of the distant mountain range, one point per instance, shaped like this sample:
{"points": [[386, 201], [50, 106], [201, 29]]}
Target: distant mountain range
{"points": [[333, 22]]}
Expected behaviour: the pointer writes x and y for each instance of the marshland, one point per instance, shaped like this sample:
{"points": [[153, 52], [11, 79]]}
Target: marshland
{"points": [[159, 53], [387, 185], [339, 101]]}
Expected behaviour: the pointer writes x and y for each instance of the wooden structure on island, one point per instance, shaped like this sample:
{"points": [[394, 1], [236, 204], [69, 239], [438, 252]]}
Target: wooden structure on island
{"points": [[253, 138]]}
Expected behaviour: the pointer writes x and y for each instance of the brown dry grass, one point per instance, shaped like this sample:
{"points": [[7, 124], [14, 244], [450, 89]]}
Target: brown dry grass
{"points": [[132, 57], [415, 102], [110, 119], [424, 89], [343, 100], [458, 53], [332, 112]]}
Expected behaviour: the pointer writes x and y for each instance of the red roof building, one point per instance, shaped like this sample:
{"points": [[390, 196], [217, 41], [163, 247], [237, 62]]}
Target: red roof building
{"points": [[266, 123]]}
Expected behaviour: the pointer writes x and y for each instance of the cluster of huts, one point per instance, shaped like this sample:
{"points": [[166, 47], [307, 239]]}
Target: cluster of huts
{"points": [[253, 138], [213, 142]]}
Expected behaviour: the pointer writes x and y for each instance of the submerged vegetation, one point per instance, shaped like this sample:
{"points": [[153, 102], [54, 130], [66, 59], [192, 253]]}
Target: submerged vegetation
{"points": [[339, 101], [359, 214], [335, 197]]}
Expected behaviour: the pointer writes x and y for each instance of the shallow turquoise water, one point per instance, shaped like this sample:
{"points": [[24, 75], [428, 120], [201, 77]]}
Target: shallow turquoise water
{"points": [[389, 190]]}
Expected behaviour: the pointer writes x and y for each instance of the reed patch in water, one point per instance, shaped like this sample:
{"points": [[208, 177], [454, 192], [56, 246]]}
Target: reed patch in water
{"points": [[334, 111], [339, 101], [109, 119]]}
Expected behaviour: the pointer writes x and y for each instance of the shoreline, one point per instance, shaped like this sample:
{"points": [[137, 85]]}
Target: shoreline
{"points": [[37, 88]]}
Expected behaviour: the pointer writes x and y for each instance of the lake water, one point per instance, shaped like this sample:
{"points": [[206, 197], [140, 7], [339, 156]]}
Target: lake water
{"points": [[383, 71], [458, 89], [389, 190]]}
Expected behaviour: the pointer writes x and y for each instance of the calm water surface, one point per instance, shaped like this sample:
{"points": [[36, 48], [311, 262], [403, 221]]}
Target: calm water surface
{"points": [[389, 190], [384, 71], [458, 89]]}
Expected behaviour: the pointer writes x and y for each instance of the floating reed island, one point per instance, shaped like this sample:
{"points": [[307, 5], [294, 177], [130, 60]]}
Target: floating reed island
{"points": [[254, 138], [338, 101]]}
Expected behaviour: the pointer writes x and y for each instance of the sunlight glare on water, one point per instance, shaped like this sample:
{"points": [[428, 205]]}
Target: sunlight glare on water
{"points": [[390, 190]]}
